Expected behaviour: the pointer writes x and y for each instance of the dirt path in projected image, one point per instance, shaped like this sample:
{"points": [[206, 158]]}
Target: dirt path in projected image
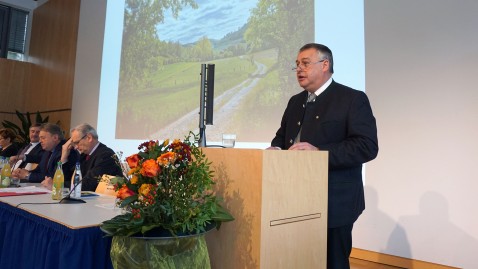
{"points": [[224, 106]]}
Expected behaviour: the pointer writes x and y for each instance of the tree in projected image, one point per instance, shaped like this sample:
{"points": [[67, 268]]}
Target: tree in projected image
{"points": [[159, 77], [140, 56]]}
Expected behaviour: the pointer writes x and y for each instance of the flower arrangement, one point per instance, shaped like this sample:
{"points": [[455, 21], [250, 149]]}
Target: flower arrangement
{"points": [[168, 187]]}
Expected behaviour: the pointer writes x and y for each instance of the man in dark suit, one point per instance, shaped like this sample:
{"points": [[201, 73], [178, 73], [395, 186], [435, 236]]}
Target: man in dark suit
{"points": [[31, 154], [332, 117], [96, 159], [51, 140]]}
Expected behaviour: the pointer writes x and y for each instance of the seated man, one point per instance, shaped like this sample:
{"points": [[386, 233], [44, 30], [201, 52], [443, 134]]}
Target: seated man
{"points": [[96, 159], [51, 140], [31, 153]]}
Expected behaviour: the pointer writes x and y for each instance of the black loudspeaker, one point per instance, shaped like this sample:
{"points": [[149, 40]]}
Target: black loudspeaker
{"points": [[210, 94]]}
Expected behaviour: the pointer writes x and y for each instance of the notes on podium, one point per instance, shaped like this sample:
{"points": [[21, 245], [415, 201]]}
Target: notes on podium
{"points": [[279, 201]]}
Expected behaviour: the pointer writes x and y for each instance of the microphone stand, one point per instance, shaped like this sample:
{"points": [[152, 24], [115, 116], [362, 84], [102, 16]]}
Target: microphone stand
{"points": [[202, 106], [69, 200]]}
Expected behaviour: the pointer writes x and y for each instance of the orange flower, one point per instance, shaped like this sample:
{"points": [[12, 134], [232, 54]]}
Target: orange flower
{"points": [[124, 192], [167, 158], [133, 171], [133, 160], [150, 168], [134, 179], [145, 189]]}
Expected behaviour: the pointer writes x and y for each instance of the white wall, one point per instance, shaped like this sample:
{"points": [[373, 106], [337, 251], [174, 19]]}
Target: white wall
{"points": [[421, 77], [89, 53]]}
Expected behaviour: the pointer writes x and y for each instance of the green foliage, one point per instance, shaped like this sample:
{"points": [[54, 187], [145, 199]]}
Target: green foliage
{"points": [[155, 107], [140, 39], [285, 25], [170, 188], [23, 130]]}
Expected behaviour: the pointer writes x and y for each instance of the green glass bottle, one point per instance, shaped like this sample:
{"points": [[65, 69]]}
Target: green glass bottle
{"points": [[6, 173], [58, 181]]}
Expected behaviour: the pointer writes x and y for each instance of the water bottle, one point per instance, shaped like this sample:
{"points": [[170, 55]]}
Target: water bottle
{"points": [[58, 181], [76, 182], [6, 173]]}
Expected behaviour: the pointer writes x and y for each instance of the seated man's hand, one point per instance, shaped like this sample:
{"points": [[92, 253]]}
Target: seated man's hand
{"points": [[13, 159], [65, 151], [47, 183], [20, 173]]}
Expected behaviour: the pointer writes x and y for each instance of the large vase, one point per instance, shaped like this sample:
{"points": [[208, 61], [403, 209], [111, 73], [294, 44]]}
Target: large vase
{"points": [[160, 252], [158, 248]]}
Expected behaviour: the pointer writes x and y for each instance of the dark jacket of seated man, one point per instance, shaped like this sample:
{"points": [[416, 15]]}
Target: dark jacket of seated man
{"points": [[34, 156], [48, 163], [96, 159], [99, 162]]}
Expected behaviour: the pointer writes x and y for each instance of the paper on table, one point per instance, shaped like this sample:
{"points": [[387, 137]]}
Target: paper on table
{"points": [[28, 190]]}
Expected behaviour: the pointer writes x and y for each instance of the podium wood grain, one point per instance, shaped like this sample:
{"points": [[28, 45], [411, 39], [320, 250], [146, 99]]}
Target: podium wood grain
{"points": [[279, 200]]}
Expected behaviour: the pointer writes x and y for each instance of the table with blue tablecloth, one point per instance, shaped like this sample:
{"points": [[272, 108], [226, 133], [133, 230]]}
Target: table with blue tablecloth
{"points": [[37, 232]]}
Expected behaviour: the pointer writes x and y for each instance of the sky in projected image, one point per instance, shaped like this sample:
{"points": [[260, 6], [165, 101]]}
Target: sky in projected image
{"points": [[252, 49], [213, 19]]}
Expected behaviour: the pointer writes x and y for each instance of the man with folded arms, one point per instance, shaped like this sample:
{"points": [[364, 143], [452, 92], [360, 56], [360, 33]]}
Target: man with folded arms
{"points": [[96, 159]]}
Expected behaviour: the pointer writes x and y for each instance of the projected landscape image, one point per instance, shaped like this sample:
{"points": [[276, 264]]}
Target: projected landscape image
{"points": [[253, 44]]}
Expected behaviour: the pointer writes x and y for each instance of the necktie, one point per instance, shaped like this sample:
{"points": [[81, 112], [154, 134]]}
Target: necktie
{"points": [[47, 161], [310, 98], [87, 157], [21, 154]]}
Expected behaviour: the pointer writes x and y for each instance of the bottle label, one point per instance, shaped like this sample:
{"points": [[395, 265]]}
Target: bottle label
{"points": [[6, 181]]}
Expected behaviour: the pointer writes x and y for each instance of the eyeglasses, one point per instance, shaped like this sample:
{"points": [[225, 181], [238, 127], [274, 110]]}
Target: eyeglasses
{"points": [[73, 143], [305, 65]]}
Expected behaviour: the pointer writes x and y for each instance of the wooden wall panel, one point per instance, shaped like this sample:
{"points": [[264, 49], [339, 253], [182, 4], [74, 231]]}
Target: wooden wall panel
{"points": [[14, 82], [53, 53], [45, 83]]}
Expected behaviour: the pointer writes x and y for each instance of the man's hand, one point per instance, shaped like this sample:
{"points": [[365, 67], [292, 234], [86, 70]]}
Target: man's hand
{"points": [[65, 151], [47, 183], [303, 146], [13, 159], [20, 173]]}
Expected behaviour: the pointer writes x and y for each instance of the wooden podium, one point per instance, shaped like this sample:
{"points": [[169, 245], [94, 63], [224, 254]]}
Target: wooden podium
{"points": [[279, 201]]}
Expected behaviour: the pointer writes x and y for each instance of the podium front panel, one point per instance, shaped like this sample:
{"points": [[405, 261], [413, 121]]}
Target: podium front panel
{"points": [[279, 201]]}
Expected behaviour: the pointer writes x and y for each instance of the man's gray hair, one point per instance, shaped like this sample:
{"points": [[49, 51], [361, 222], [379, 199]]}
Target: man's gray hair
{"points": [[85, 129]]}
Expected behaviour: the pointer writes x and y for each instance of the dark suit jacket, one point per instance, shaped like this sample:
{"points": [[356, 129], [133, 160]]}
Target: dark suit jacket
{"points": [[100, 162], [341, 122], [10, 151], [34, 156], [47, 165]]}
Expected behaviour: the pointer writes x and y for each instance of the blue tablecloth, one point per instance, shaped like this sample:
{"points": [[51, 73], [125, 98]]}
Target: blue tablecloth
{"points": [[29, 241]]}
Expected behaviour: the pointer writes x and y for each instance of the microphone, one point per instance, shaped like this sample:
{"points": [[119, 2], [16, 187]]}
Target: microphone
{"points": [[77, 179], [69, 200]]}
